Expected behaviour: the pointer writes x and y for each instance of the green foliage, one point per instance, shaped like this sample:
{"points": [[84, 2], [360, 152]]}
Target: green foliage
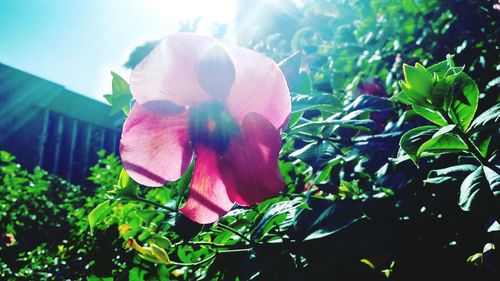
{"points": [[349, 210], [98, 214], [48, 218], [452, 107], [342, 61], [478, 191], [440, 93], [121, 97]]}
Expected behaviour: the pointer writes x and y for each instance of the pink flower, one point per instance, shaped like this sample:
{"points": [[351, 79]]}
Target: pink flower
{"points": [[219, 103]]}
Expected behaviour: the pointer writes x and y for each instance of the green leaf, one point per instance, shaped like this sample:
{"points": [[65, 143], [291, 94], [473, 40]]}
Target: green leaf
{"points": [[412, 140], [316, 154], [403, 95], [441, 68], [475, 192], [483, 144], [362, 125], [185, 254], [494, 227], [419, 81], [490, 116], [276, 215], [264, 205], [330, 172], [430, 115], [98, 214], [444, 130], [294, 118], [410, 6], [484, 130], [465, 100], [449, 174], [183, 183], [321, 101], [276, 221], [325, 218], [124, 179], [144, 215], [126, 187], [137, 273], [454, 71], [303, 85], [443, 142], [442, 94], [370, 103], [109, 98], [120, 100], [223, 237], [493, 179], [159, 253], [290, 68], [119, 85]]}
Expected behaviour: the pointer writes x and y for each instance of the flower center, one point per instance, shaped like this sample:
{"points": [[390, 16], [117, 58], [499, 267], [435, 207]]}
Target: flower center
{"points": [[210, 124]]}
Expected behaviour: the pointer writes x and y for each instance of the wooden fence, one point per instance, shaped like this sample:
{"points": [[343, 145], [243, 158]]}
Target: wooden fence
{"points": [[44, 124]]}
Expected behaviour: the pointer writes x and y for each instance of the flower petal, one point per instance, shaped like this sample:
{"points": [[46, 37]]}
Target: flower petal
{"points": [[250, 165], [208, 199], [259, 86], [155, 149], [216, 72], [169, 72]]}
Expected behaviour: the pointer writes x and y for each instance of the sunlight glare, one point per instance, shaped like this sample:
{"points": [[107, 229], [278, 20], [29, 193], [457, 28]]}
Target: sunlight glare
{"points": [[215, 11]]}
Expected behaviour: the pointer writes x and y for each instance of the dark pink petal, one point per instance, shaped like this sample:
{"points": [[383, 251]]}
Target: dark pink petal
{"points": [[259, 86], [155, 149], [169, 72], [250, 166], [216, 72], [208, 199]]}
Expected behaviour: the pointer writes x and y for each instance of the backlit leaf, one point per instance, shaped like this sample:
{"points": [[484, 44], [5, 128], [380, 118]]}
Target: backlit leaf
{"points": [[464, 105], [98, 214], [412, 140]]}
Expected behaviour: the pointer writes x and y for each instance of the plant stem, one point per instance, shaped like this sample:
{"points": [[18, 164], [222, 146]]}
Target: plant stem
{"points": [[472, 147], [225, 227], [212, 256], [465, 138], [144, 200], [207, 243], [194, 263], [234, 250], [184, 182]]}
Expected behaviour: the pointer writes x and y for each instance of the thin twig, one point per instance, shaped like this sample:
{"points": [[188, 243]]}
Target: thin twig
{"points": [[234, 250], [144, 200], [195, 263]]}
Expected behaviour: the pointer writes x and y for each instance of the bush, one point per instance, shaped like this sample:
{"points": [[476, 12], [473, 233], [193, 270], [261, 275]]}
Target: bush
{"points": [[47, 217]]}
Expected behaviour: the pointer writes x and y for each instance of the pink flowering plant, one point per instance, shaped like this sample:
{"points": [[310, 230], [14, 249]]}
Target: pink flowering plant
{"points": [[201, 146], [237, 166], [204, 120], [212, 103]]}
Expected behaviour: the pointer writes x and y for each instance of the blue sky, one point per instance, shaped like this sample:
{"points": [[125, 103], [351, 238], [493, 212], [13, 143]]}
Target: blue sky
{"points": [[77, 43]]}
